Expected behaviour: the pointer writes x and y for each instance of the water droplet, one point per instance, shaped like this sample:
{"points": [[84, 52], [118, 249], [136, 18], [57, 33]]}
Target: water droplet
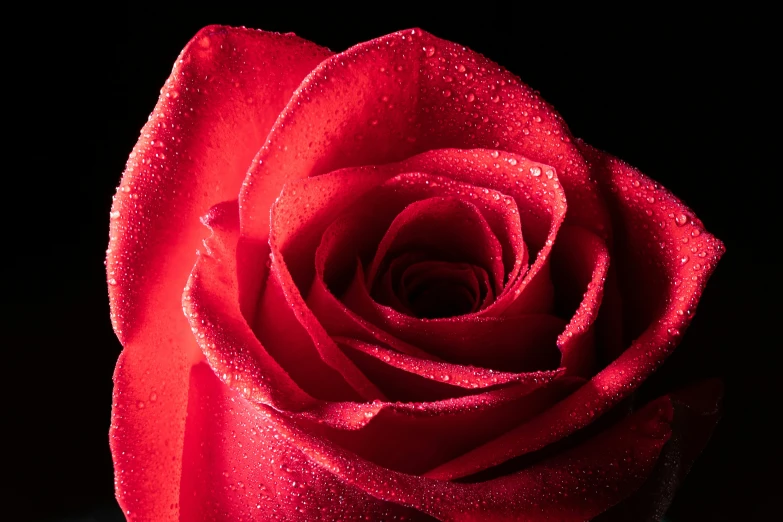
{"points": [[512, 161], [447, 93], [114, 215], [429, 50], [535, 171], [681, 220]]}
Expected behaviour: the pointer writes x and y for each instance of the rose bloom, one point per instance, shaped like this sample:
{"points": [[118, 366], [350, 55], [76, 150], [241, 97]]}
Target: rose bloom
{"points": [[409, 293]]}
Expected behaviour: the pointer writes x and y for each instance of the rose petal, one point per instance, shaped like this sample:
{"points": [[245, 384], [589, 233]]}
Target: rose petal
{"points": [[293, 336], [407, 378], [609, 324], [651, 248], [572, 486], [225, 433], [414, 441], [392, 93], [192, 153], [284, 323], [695, 416], [580, 261], [211, 304]]}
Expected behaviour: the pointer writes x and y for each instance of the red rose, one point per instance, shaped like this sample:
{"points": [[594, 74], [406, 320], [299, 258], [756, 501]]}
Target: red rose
{"points": [[420, 297]]}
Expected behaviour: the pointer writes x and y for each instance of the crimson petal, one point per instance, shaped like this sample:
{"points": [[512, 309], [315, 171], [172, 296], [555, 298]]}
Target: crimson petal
{"points": [[224, 433], [393, 93], [215, 110], [695, 416], [407, 378], [580, 261], [575, 485]]}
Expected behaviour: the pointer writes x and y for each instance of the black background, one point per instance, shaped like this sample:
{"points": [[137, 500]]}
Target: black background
{"points": [[679, 97]]}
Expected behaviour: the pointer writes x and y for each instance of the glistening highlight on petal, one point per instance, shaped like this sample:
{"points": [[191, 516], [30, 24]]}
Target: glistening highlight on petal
{"points": [[214, 112]]}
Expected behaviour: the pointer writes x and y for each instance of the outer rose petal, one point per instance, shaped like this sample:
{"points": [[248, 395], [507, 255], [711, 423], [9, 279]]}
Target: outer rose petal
{"points": [[396, 94], [574, 485], [225, 433], [695, 416], [214, 112], [651, 248]]}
